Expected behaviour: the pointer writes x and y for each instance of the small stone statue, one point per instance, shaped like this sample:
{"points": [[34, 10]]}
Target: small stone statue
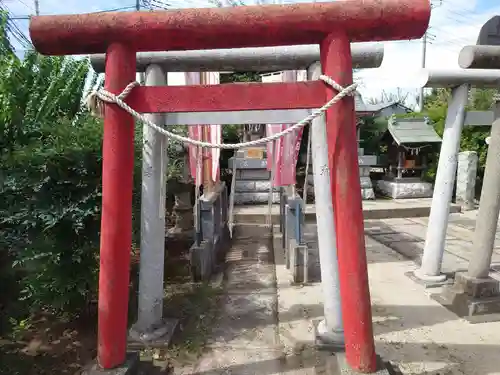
{"points": [[183, 208]]}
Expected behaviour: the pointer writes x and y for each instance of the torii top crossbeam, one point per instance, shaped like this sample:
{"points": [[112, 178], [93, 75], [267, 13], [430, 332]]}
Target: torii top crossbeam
{"points": [[237, 27]]}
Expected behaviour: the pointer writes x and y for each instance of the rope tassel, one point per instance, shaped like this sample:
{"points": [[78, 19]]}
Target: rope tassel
{"points": [[95, 105]]}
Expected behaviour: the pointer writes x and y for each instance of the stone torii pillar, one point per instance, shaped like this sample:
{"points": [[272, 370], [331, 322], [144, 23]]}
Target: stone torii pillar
{"points": [[332, 25]]}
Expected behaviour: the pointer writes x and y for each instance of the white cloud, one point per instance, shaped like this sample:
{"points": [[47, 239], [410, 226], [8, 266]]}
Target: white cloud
{"points": [[453, 25]]}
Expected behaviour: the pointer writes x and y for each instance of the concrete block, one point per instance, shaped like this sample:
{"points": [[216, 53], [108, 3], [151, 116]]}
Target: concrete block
{"points": [[477, 288], [367, 160], [129, 367], [299, 263], [201, 261], [476, 300], [405, 189]]}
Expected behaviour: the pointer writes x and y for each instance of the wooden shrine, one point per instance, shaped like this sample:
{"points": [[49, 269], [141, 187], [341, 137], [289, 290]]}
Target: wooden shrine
{"points": [[409, 142]]}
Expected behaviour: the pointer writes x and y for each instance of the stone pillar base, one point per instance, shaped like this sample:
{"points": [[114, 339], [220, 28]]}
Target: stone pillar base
{"points": [[129, 367], [325, 339], [429, 281], [477, 300], [158, 336], [336, 364]]}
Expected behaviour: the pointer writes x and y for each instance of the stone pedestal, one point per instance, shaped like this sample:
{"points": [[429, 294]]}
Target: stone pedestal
{"points": [[477, 300], [405, 188], [466, 179], [252, 177]]}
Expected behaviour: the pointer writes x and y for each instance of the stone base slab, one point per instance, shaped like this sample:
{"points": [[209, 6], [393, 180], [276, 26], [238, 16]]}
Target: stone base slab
{"points": [[158, 337], [367, 192], [129, 367], [402, 189], [337, 364], [429, 283], [333, 342], [477, 300]]}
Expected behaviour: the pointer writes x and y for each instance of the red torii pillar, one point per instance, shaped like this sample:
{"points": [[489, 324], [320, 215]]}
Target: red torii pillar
{"points": [[332, 25]]}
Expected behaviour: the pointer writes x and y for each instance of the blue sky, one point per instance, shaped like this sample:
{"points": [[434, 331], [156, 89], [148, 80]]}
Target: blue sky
{"points": [[454, 23]]}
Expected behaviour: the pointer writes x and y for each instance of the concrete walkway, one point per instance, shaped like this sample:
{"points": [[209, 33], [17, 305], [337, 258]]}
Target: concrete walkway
{"points": [[412, 331], [246, 339], [267, 322], [407, 236], [376, 209]]}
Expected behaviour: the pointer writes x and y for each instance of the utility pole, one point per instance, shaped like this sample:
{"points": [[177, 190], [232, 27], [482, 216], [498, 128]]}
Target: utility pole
{"points": [[434, 4], [141, 77], [37, 7], [424, 53]]}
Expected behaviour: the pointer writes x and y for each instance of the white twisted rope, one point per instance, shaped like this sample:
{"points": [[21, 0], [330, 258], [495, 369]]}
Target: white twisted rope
{"points": [[96, 99]]}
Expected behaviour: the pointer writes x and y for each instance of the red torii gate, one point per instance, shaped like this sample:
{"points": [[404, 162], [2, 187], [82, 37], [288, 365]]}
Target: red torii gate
{"points": [[333, 25]]}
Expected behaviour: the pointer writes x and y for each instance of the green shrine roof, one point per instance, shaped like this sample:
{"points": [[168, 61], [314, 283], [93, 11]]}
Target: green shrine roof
{"points": [[412, 130]]}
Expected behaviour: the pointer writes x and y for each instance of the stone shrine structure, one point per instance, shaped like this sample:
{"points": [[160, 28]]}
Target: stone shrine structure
{"points": [[252, 180], [407, 140], [364, 110]]}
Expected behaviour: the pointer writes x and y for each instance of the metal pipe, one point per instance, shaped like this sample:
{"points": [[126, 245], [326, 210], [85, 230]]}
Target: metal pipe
{"points": [[265, 59], [346, 201], [230, 27]]}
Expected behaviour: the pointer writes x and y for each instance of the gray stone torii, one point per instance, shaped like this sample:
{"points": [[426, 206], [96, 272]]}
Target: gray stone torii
{"points": [[364, 55], [475, 295], [461, 80], [150, 325]]}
